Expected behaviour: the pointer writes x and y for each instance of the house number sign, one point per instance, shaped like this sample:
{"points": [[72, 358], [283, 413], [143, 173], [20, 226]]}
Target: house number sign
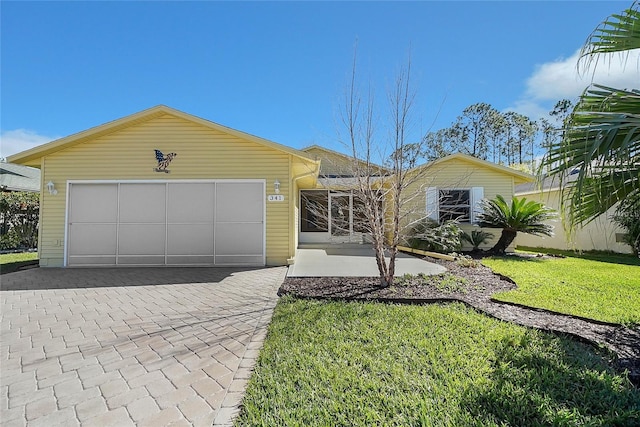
{"points": [[275, 198]]}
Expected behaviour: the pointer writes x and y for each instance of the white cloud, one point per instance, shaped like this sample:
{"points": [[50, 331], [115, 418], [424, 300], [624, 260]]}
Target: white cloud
{"points": [[15, 141], [529, 108], [560, 79]]}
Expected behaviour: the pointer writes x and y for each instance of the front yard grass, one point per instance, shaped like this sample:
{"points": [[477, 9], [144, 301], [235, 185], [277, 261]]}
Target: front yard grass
{"points": [[597, 286], [357, 364], [11, 262]]}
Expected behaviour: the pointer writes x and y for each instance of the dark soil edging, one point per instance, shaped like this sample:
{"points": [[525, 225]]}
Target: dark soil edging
{"points": [[621, 341], [557, 313]]}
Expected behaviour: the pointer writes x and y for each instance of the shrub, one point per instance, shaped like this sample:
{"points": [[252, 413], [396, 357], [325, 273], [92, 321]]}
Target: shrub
{"points": [[521, 215], [429, 235], [19, 214], [467, 262], [476, 238]]}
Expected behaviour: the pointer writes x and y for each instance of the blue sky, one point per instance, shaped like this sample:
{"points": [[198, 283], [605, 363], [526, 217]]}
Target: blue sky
{"points": [[278, 70]]}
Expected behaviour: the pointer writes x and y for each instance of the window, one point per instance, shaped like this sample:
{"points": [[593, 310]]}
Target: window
{"points": [[454, 205], [314, 214], [461, 204]]}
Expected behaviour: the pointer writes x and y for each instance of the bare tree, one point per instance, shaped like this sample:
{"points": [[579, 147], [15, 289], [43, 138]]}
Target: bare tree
{"points": [[387, 194]]}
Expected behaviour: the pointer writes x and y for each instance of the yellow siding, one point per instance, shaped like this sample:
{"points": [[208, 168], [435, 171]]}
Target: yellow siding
{"points": [[202, 153], [597, 235], [455, 173]]}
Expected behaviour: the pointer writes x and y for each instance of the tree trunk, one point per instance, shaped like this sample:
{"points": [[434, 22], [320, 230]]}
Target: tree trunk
{"points": [[506, 238]]}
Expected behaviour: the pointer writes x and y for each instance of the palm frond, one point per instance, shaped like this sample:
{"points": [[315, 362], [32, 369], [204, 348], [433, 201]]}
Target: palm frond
{"points": [[601, 143], [618, 33], [520, 215]]}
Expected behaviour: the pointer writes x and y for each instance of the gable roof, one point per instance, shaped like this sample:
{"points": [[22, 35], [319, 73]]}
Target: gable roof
{"points": [[30, 156], [382, 170], [520, 177], [19, 178]]}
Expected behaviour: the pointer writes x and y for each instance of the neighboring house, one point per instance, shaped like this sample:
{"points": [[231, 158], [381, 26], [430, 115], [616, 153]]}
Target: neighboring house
{"points": [[162, 187], [601, 234], [15, 177]]}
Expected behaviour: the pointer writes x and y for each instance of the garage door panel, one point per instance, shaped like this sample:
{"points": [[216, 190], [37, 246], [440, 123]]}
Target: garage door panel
{"points": [[239, 202], [141, 260], [94, 203], [190, 202], [91, 260], [142, 203], [190, 239], [222, 260], [239, 239], [94, 239], [141, 239], [190, 260]]}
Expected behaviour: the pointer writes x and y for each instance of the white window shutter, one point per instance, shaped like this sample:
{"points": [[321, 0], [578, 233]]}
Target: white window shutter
{"points": [[432, 203], [477, 194]]}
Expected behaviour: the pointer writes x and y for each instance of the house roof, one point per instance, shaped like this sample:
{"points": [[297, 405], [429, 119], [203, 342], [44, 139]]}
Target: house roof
{"points": [[19, 178], [347, 157], [520, 177], [33, 155], [319, 147], [548, 183]]}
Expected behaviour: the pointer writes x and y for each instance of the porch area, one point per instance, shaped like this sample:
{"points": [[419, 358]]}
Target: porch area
{"points": [[351, 260]]}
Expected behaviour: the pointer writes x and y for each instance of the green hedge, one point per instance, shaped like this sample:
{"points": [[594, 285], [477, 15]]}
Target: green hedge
{"points": [[19, 215]]}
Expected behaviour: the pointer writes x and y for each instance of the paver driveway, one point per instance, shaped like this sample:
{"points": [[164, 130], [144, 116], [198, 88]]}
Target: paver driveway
{"points": [[143, 346]]}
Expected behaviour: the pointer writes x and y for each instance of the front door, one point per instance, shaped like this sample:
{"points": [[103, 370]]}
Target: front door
{"points": [[341, 221]]}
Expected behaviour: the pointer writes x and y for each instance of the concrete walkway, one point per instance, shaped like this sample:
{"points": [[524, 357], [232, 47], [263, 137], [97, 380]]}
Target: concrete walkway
{"points": [[352, 260], [130, 346]]}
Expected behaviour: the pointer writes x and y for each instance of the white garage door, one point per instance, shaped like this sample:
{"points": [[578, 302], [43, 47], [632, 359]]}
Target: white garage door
{"points": [[166, 223]]}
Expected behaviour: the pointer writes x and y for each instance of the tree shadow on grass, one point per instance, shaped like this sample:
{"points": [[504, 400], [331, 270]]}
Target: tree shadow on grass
{"points": [[567, 386], [11, 267], [601, 256]]}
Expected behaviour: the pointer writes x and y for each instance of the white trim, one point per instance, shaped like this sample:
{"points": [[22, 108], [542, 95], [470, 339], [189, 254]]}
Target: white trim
{"points": [[213, 224], [477, 194], [264, 222], [118, 224], [432, 205], [541, 191], [66, 224], [161, 181]]}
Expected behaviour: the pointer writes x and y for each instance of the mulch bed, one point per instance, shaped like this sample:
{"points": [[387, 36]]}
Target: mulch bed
{"points": [[481, 283]]}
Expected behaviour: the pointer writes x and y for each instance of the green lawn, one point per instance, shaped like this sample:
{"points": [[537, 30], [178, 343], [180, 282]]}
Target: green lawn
{"points": [[11, 262], [357, 364], [598, 286]]}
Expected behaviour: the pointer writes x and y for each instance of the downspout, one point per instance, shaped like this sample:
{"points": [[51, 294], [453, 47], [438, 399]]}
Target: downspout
{"points": [[290, 261]]}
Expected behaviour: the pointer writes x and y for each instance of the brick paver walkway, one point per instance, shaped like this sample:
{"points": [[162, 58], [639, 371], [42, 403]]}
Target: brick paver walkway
{"points": [[130, 346]]}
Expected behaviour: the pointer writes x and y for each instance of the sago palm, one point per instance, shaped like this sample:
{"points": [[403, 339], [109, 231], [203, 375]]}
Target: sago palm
{"points": [[602, 137], [521, 215]]}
